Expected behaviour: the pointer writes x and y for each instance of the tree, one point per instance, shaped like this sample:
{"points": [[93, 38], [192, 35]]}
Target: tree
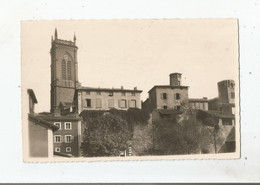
{"points": [[209, 120], [105, 135]]}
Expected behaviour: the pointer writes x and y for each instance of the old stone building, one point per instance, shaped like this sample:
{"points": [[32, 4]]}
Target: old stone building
{"points": [[197, 103], [64, 82], [69, 99], [172, 96], [105, 98], [224, 104]]}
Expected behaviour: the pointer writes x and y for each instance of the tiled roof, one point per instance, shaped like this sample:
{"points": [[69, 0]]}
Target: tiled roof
{"points": [[198, 99], [169, 87], [108, 89], [68, 117], [42, 122]]}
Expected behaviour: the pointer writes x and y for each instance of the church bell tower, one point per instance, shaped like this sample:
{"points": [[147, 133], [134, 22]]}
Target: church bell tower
{"points": [[64, 73]]}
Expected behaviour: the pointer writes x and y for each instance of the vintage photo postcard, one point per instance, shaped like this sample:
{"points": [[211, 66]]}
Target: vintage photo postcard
{"points": [[105, 90]]}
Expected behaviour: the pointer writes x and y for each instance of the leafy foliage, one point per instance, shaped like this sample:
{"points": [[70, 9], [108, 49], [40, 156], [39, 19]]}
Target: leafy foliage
{"points": [[207, 119], [105, 135]]}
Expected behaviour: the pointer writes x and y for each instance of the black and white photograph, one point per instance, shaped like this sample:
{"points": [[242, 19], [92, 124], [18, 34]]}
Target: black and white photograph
{"points": [[144, 89]]}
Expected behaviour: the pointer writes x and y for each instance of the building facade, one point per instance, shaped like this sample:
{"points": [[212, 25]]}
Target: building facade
{"points": [[105, 98], [173, 96], [40, 132], [199, 104], [67, 138]]}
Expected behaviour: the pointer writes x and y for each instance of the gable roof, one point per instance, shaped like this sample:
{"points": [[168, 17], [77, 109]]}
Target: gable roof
{"points": [[42, 122]]}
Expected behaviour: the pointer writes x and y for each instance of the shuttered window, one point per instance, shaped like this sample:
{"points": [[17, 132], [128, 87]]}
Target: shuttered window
{"points": [[123, 104], [98, 103], [111, 103], [68, 138], [132, 103]]}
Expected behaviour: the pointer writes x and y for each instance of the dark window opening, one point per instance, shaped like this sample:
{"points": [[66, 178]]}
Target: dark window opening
{"points": [[88, 102], [111, 94], [165, 107], [178, 107], [164, 96], [178, 96]]}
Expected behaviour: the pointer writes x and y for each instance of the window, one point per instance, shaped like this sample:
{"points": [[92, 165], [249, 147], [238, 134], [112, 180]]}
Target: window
{"points": [[63, 69], [179, 83], [132, 103], [232, 95], [122, 104], [68, 138], [58, 124], [88, 102], [57, 139], [57, 149], [68, 149], [98, 103], [165, 107], [67, 126], [164, 96], [69, 70], [111, 103], [98, 92], [123, 93], [178, 96], [178, 107], [133, 93], [110, 93], [87, 92]]}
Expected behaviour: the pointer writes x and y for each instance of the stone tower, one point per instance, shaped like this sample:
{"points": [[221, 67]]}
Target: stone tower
{"points": [[226, 91], [64, 73], [175, 79]]}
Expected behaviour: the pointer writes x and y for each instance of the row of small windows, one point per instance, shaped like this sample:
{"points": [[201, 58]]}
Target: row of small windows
{"points": [[110, 93], [67, 125], [177, 96], [122, 103], [66, 70], [57, 149], [178, 107], [61, 139]]}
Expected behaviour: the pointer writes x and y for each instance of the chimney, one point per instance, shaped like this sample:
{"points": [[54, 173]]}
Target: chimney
{"points": [[135, 88], [122, 87]]}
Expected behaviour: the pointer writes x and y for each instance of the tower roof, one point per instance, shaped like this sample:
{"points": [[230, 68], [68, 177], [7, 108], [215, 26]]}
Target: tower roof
{"points": [[175, 74]]}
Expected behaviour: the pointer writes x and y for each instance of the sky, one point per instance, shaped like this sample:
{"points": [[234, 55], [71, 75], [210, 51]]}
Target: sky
{"points": [[134, 53]]}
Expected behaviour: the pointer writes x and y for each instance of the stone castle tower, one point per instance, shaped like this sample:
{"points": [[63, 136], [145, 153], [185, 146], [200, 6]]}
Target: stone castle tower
{"points": [[64, 73], [226, 91]]}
